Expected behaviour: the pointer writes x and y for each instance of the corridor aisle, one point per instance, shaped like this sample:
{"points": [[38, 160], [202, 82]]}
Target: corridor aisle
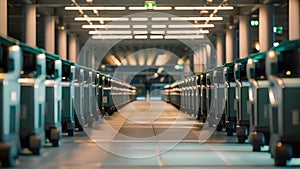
{"points": [[149, 135]]}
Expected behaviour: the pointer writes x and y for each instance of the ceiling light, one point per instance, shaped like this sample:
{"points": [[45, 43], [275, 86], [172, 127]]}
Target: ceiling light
{"points": [[139, 19], [196, 18], [160, 19], [106, 26], [140, 8], [139, 32], [163, 8], [100, 19], [204, 8], [184, 37], [110, 32], [192, 26], [139, 26], [156, 37], [92, 8], [158, 26], [158, 32], [187, 31], [112, 37], [89, 1], [140, 37], [137, 8]]}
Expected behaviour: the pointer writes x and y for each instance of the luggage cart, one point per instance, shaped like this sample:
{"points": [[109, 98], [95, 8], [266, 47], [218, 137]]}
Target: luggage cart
{"points": [[100, 89], [95, 94], [53, 99], [195, 96], [210, 95], [241, 99], [106, 99], [10, 66], [78, 97], [230, 85], [283, 71], [32, 78], [184, 96], [219, 97], [203, 98], [67, 82], [87, 99], [258, 101]]}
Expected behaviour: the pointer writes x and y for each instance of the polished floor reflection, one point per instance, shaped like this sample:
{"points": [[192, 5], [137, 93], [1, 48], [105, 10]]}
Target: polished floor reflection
{"points": [[149, 135]]}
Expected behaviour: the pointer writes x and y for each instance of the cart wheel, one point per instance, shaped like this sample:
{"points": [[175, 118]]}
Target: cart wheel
{"points": [[9, 161], [280, 161], [70, 132], [56, 143], [219, 128], [256, 148], [90, 123], [229, 133], [36, 151], [241, 139], [80, 128], [204, 120], [97, 117], [35, 144]]}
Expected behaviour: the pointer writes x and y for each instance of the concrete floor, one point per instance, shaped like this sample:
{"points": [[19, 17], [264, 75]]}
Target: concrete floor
{"points": [[150, 135]]}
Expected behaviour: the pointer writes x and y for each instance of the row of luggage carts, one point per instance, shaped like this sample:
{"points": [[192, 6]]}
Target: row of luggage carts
{"points": [[43, 96], [255, 98]]}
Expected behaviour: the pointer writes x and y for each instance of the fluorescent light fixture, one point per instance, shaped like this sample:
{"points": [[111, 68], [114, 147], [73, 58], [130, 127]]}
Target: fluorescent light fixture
{"points": [[139, 19], [137, 8], [105, 26], [100, 19], [192, 26], [187, 31], [139, 26], [197, 18], [140, 37], [159, 26], [112, 37], [92, 8], [110, 32], [139, 32], [204, 8], [162, 8], [160, 19], [184, 37], [158, 32], [156, 37]]}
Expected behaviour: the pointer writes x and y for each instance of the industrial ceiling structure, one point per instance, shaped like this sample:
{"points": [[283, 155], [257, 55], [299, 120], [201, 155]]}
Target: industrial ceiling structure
{"points": [[145, 24]]}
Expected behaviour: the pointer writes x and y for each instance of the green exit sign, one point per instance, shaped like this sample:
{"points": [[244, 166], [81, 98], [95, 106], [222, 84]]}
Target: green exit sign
{"points": [[278, 29], [254, 22], [150, 4]]}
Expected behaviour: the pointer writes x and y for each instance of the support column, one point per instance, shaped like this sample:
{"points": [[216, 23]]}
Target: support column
{"points": [[3, 18], [29, 25], [266, 23], [230, 45], [72, 48], [220, 48], [244, 36], [294, 19], [50, 34], [62, 44]]}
